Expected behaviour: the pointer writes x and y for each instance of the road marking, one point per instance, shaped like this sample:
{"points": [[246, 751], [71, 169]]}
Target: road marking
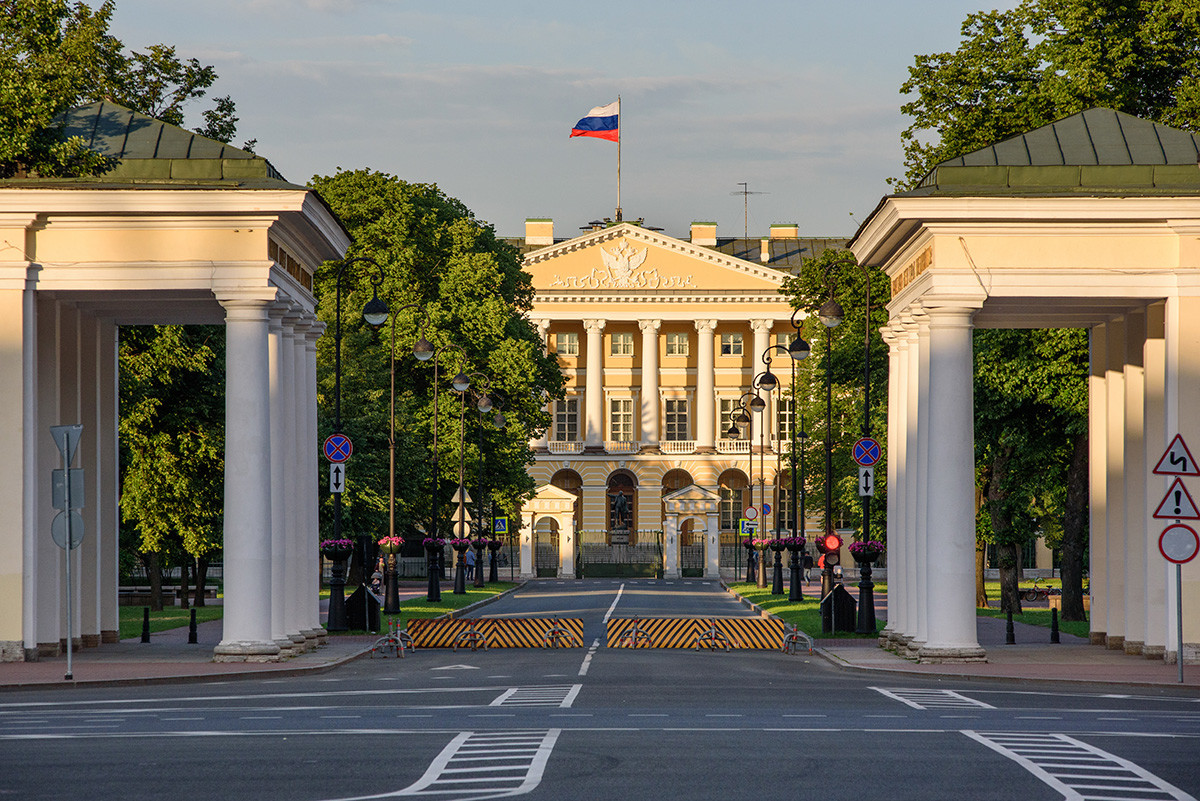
{"points": [[609, 613], [1071, 766], [587, 660], [554, 696], [932, 699]]}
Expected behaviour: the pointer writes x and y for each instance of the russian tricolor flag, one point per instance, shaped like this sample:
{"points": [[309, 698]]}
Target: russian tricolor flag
{"points": [[600, 122]]}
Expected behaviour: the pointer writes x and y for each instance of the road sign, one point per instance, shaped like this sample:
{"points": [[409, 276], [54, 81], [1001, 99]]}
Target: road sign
{"points": [[766, 509], [58, 488], [747, 527], [337, 448], [1177, 504], [867, 452], [58, 529], [866, 482], [1179, 543], [500, 525], [1177, 461], [67, 440], [337, 478], [750, 512]]}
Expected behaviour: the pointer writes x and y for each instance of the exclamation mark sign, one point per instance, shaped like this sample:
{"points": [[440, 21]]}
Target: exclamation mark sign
{"points": [[1178, 501]]}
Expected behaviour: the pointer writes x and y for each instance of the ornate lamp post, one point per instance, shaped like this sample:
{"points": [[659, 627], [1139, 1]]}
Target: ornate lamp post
{"points": [[766, 382], [462, 523], [831, 316], [741, 423], [375, 314], [483, 531], [424, 351]]}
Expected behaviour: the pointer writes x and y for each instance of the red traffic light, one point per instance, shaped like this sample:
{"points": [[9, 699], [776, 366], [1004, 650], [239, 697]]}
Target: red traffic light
{"points": [[829, 543]]}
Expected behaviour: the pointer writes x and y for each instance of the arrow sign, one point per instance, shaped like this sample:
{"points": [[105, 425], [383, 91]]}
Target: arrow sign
{"points": [[337, 477], [1177, 504], [1177, 461], [866, 482]]}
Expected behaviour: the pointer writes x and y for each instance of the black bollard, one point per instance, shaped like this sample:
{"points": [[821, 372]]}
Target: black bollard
{"points": [[1010, 637], [146, 624], [192, 638], [1054, 625]]}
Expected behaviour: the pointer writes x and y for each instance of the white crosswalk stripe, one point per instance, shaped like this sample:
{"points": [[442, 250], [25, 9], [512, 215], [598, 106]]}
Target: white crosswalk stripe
{"points": [[1079, 771], [931, 699], [560, 697]]}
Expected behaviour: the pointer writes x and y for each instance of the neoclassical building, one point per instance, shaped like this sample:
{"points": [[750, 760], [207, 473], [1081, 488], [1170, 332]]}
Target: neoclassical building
{"points": [[659, 339]]}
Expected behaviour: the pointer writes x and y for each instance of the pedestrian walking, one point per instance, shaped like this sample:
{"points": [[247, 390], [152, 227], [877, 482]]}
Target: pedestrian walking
{"points": [[470, 564]]}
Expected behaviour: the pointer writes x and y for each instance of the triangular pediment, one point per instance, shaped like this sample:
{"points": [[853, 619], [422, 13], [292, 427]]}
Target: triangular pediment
{"points": [[692, 492], [630, 259], [549, 492]]}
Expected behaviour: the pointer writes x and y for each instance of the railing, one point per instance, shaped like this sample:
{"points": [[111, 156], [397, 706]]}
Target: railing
{"points": [[562, 446], [677, 446], [733, 446], [621, 447]]}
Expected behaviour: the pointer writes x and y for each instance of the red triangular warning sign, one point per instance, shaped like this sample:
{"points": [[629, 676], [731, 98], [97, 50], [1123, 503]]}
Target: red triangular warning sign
{"points": [[1177, 461], [1177, 504]]}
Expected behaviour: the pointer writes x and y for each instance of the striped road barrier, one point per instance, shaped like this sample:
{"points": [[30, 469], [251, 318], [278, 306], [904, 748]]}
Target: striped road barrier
{"points": [[500, 632], [761, 633]]}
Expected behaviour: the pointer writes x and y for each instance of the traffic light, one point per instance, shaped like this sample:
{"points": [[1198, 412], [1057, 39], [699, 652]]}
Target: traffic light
{"points": [[830, 545]]}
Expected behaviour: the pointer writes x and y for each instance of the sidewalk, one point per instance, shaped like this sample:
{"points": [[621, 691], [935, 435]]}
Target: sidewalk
{"points": [[1032, 658]]}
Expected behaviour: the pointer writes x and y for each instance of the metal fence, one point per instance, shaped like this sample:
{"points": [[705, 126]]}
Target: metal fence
{"points": [[619, 553]]}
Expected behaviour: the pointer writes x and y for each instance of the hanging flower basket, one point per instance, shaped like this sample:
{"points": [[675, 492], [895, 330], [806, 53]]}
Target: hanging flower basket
{"points": [[494, 545], [794, 544], [866, 552], [433, 544], [337, 549], [460, 544], [390, 545], [762, 543], [777, 545]]}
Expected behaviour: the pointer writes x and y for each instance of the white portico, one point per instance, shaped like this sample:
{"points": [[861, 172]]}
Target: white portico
{"points": [[1091, 222]]}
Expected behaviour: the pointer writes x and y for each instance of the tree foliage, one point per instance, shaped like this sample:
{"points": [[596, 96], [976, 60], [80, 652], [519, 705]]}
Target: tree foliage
{"points": [[469, 296], [55, 55], [1046, 59]]}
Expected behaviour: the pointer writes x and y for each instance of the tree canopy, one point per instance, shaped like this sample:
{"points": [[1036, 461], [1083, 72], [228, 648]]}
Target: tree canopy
{"points": [[468, 295]]}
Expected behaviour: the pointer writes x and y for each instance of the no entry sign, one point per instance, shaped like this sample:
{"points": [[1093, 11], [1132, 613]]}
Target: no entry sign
{"points": [[1179, 543]]}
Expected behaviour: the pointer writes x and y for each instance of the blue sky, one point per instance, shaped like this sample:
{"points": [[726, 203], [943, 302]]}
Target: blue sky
{"points": [[798, 99]]}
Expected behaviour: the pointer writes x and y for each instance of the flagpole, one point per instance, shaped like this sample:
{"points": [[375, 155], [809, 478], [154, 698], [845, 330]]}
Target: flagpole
{"points": [[619, 115]]}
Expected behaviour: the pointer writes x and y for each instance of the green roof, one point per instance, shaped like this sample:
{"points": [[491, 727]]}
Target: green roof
{"points": [[1098, 151]]}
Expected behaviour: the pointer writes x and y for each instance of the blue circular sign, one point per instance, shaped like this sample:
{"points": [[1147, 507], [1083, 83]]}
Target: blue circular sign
{"points": [[867, 452], [337, 448]]}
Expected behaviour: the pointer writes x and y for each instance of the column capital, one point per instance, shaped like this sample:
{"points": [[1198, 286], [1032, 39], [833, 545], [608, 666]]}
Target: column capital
{"points": [[543, 325], [594, 326], [648, 326], [761, 326], [706, 326]]}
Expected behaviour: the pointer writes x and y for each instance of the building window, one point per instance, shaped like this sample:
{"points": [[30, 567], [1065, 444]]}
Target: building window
{"points": [[621, 344], [785, 339], [786, 418], [677, 420], [566, 343], [784, 507], [731, 507], [566, 420], [728, 408], [620, 416], [731, 344], [677, 344]]}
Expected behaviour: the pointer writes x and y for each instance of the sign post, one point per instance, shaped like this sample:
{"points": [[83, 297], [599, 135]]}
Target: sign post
{"points": [[1178, 543], [67, 528]]}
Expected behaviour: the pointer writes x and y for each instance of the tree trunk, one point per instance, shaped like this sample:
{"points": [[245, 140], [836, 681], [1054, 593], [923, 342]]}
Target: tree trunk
{"points": [[154, 573], [183, 581], [1007, 553], [981, 599], [1075, 531], [201, 578]]}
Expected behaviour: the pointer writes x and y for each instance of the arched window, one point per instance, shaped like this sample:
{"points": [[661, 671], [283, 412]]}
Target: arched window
{"points": [[622, 508], [732, 488], [674, 480], [570, 481]]}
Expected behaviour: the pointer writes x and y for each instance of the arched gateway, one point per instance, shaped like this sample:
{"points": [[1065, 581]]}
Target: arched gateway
{"points": [[1090, 222]]}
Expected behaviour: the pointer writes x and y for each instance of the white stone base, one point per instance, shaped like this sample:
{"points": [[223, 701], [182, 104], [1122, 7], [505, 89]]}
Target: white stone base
{"points": [[937, 656], [317, 637], [12, 651], [299, 642], [247, 652]]}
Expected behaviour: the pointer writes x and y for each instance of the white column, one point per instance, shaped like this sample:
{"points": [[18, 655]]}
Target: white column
{"points": [[1155, 442], [566, 546], [762, 340], [1135, 485], [650, 400], [914, 475], [526, 549], [43, 565], [671, 546], [543, 442], [893, 335], [712, 553], [279, 392], [91, 552], [950, 490], [706, 370], [295, 420], [1114, 381], [1097, 484], [594, 406], [311, 497], [108, 525], [248, 594]]}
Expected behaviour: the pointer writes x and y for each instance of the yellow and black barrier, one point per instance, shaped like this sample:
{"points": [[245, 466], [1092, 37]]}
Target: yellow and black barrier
{"points": [[687, 632], [498, 632]]}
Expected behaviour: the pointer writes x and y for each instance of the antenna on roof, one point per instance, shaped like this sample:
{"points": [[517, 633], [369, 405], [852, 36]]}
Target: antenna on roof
{"points": [[746, 193]]}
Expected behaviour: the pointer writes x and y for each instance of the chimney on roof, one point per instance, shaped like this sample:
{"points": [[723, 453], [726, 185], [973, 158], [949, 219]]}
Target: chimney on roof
{"points": [[704, 234], [539, 231], [785, 231], [765, 253]]}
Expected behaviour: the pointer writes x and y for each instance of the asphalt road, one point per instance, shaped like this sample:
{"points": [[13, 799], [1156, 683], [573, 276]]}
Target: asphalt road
{"points": [[598, 723]]}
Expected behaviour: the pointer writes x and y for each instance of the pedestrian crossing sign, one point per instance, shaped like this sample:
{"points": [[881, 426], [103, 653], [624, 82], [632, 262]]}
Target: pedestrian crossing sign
{"points": [[499, 525]]}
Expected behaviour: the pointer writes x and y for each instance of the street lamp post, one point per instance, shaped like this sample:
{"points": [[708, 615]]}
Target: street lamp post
{"points": [[375, 314], [485, 405], [797, 350], [831, 316], [462, 523], [768, 383], [741, 421], [424, 350], [802, 436]]}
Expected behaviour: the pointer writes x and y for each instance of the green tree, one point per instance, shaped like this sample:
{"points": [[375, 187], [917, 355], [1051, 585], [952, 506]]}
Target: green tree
{"points": [[55, 55], [470, 297], [172, 427]]}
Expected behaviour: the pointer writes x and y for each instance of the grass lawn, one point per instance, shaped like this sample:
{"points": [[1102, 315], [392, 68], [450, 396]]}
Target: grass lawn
{"points": [[804, 614], [419, 607], [172, 617]]}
